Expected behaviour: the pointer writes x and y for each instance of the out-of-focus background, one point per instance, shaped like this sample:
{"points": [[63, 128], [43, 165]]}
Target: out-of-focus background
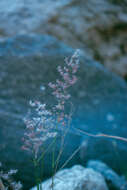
{"points": [[35, 37], [98, 26]]}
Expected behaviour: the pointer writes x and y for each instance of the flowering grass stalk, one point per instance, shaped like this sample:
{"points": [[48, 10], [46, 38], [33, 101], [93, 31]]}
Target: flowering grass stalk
{"points": [[43, 123]]}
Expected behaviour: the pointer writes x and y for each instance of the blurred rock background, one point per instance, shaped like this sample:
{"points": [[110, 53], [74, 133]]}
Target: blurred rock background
{"points": [[98, 26]]}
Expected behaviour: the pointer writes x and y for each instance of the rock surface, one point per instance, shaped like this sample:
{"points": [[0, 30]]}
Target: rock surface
{"points": [[112, 152], [76, 178], [99, 25], [99, 98], [113, 180]]}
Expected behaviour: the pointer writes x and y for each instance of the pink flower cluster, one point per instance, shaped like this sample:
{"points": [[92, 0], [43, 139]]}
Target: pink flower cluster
{"points": [[60, 87], [6, 180], [38, 128], [42, 126]]}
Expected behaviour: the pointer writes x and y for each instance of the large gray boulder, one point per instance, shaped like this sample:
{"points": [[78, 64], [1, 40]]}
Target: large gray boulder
{"points": [[99, 99], [98, 25], [75, 178]]}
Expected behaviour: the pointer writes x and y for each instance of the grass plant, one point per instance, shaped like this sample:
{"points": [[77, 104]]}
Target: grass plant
{"points": [[42, 123]]}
